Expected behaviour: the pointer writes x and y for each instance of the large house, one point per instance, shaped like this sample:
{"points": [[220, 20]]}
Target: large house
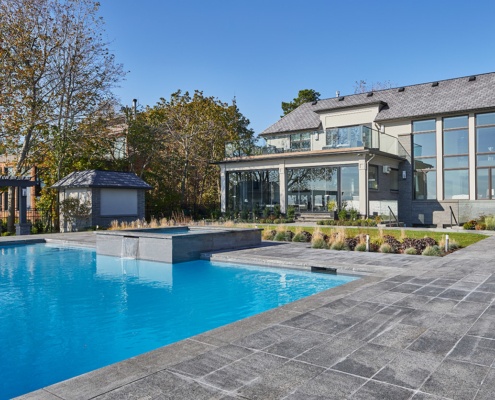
{"points": [[424, 153]]}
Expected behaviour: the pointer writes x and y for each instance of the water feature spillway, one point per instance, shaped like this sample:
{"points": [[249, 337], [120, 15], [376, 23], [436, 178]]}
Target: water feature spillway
{"points": [[174, 244]]}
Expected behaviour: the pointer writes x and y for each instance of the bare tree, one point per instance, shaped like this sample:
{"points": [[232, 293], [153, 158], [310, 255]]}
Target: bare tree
{"points": [[55, 70], [362, 86]]}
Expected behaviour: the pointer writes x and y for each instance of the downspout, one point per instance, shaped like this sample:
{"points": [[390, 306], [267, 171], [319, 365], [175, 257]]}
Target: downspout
{"points": [[367, 185]]}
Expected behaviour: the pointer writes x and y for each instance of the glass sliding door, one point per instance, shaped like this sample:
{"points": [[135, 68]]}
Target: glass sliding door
{"points": [[349, 187], [319, 189], [318, 186], [252, 191]]}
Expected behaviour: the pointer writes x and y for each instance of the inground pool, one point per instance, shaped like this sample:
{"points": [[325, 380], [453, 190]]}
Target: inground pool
{"points": [[66, 311]]}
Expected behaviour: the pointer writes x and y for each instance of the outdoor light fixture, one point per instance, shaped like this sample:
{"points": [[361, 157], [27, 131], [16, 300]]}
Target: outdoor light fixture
{"points": [[404, 176]]}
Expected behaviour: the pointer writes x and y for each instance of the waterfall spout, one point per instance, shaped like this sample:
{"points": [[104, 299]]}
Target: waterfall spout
{"points": [[130, 247]]}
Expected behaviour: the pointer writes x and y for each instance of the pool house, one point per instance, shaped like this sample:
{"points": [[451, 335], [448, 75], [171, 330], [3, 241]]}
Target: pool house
{"points": [[423, 153]]}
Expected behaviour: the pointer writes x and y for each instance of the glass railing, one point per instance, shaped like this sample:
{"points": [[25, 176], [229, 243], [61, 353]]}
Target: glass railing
{"points": [[335, 138]]}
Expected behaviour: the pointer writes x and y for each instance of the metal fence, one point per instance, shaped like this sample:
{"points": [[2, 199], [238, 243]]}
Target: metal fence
{"points": [[42, 220]]}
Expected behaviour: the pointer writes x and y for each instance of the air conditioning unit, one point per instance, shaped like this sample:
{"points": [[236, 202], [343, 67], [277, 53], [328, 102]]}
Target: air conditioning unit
{"points": [[387, 169]]}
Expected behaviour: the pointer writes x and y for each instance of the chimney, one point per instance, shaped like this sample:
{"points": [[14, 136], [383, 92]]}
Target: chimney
{"points": [[134, 107], [337, 93]]}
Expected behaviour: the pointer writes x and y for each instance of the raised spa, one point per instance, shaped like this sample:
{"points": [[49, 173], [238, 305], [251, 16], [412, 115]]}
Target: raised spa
{"points": [[174, 244]]}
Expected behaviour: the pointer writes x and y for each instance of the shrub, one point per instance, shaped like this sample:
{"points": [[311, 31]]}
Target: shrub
{"points": [[291, 212], [279, 237], [386, 248], [411, 251], [432, 251], [302, 236], [244, 214], [339, 246], [470, 225], [480, 226], [284, 236], [351, 243], [266, 212], [319, 243], [277, 221], [37, 227], [269, 234], [393, 242], [342, 214], [490, 222], [374, 246], [360, 247], [453, 245], [276, 210], [353, 213]]}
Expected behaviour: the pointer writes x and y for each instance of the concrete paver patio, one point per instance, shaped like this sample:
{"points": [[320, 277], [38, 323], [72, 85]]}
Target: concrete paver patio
{"points": [[412, 328]]}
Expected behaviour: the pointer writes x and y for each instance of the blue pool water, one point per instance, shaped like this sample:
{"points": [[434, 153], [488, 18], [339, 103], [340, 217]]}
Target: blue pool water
{"points": [[66, 311]]}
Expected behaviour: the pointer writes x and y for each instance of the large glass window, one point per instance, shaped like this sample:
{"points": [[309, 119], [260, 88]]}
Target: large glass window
{"points": [[318, 189], [425, 159], [300, 141], [373, 177], [253, 191], [455, 157], [485, 156], [350, 186], [485, 184]]}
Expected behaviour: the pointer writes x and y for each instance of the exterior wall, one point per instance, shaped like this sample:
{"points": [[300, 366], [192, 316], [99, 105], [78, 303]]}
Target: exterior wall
{"points": [[313, 161], [349, 117], [331, 119], [84, 195]]}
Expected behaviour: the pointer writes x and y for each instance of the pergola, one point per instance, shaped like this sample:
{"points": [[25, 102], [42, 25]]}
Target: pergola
{"points": [[21, 182]]}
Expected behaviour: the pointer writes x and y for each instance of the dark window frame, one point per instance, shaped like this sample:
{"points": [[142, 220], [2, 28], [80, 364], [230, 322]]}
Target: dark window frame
{"points": [[395, 170], [423, 170], [370, 166], [491, 169], [466, 168]]}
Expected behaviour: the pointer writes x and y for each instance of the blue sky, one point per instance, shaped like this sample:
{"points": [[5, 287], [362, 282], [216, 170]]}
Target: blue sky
{"points": [[264, 52]]}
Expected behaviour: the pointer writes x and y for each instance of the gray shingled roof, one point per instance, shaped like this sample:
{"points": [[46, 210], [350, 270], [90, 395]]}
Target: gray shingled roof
{"points": [[416, 101], [103, 179]]}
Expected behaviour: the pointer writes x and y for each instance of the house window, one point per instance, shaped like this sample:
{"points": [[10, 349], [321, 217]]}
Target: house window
{"points": [[485, 156], [455, 158], [300, 141], [425, 159], [394, 179], [373, 177]]}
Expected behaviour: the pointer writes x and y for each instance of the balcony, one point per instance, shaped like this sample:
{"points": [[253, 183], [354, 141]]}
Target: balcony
{"points": [[331, 139]]}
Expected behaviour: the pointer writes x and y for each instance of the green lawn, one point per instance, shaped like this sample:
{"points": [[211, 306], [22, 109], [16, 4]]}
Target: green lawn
{"points": [[463, 239]]}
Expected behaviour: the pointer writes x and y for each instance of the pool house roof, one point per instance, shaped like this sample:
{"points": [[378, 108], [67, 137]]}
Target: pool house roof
{"points": [[102, 179]]}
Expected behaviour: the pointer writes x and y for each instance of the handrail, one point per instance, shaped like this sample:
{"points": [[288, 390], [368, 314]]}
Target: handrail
{"points": [[452, 215], [390, 215]]}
